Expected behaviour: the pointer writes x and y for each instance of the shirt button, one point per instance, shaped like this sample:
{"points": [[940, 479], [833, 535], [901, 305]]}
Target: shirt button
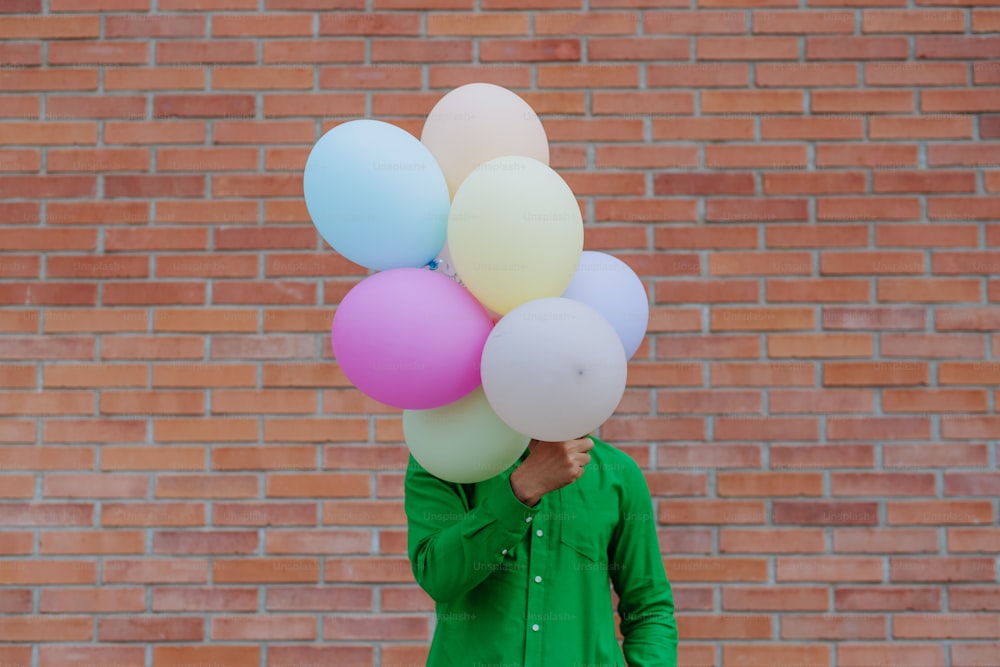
{"points": [[527, 519], [535, 627], [538, 580], [504, 552], [539, 533]]}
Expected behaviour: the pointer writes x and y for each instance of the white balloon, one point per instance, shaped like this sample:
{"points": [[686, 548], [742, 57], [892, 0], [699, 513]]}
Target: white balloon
{"points": [[554, 369], [615, 291], [462, 442]]}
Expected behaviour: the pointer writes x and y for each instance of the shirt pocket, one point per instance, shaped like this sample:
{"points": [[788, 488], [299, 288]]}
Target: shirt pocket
{"points": [[585, 539]]}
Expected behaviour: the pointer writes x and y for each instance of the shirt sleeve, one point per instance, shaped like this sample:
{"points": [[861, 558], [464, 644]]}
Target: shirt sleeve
{"points": [[646, 604], [453, 548]]}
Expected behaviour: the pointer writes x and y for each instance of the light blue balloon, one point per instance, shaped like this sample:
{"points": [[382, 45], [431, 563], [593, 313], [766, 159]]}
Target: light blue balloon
{"points": [[377, 195], [611, 287]]}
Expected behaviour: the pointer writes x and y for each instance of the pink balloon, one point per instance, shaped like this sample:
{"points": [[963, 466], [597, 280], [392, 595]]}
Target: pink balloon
{"points": [[411, 338]]}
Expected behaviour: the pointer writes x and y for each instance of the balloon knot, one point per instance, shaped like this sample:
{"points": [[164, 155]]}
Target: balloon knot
{"points": [[433, 264]]}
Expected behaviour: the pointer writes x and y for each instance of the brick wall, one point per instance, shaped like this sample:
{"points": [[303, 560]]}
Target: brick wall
{"points": [[810, 195]]}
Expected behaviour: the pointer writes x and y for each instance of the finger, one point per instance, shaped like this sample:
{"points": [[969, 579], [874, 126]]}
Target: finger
{"points": [[582, 444]]}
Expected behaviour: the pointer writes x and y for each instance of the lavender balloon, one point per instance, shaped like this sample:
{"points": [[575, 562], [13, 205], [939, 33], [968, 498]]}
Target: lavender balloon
{"points": [[411, 338], [612, 288]]}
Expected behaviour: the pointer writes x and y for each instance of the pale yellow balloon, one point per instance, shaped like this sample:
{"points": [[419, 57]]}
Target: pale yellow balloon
{"points": [[462, 442], [515, 233], [477, 122]]}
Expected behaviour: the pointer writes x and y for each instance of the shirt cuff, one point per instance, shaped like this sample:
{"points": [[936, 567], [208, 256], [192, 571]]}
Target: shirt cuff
{"points": [[512, 514]]}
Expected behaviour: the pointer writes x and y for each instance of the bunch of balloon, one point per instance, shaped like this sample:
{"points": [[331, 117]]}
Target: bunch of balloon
{"points": [[485, 320]]}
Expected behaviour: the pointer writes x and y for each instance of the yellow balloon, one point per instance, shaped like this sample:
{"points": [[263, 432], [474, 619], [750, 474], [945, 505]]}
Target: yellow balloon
{"points": [[477, 122], [515, 233], [462, 442]]}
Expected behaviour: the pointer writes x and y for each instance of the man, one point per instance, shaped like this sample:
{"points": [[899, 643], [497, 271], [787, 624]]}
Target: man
{"points": [[521, 565]]}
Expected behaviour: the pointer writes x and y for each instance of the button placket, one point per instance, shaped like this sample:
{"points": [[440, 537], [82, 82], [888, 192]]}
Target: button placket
{"points": [[537, 560]]}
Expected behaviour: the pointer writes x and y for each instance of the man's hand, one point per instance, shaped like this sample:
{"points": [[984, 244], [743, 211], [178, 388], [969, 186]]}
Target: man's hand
{"points": [[549, 466]]}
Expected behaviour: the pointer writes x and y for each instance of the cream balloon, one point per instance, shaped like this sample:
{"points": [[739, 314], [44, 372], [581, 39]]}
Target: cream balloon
{"points": [[515, 232], [477, 122], [462, 442], [554, 369]]}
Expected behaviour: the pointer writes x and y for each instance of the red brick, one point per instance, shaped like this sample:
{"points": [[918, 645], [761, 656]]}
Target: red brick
{"points": [[140, 293], [264, 514], [654, 429], [18, 486], [678, 512], [645, 210], [313, 51], [122, 159], [205, 52], [725, 626], [586, 23], [440, 24], [144, 629], [749, 156], [702, 75], [205, 430], [153, 347], [785, 598], [691, 129], [203, 106], [375, 627], [883, 540], [20, 160], [812, 236], [50, 27], [20, 107], [783, 75], [952, 454], [22, 7], [915, 74], [930, 236], [703, 184], [263, 627], [187, 656], [81, 601], [98, 5], [159, 132], [973, 655], [637, 49], [190, 598], [48, 187], [694, 22], [942, 512], [860, 48], [822, 456], [867, 318], [973, 539], [48, 133], [94, 430], [927, 569], [947, 626], [939, 346], [250, 132], [827, 290], [19, 376], [265, 570], [436, 51], [769, 484], [248, 185], [935, 400], [879, 156], [154, 26], [342, 24], [701, 569], [710, 455], [829, 569], [971, 484], [763, 101], [857, 654], [750, 209], [154, 78], [751, 654], [48, 403], [98, 53], [528, 50], [912, 21], [746, 48]]}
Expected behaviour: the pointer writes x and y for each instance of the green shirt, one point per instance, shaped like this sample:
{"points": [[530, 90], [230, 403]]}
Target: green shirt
{"points": [[531, 586]]}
